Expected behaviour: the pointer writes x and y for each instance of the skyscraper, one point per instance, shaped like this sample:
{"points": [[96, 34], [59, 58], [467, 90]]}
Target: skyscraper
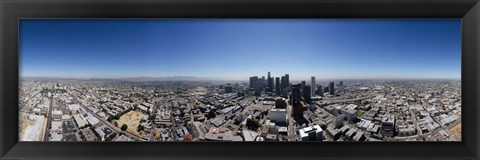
{"points": [[287, 80], [296, 102], [253, 81], [320, 90], [283, 84], [331, 88], [306, 94], [270, 83], [256, 84], [258, 87], [264, 82], [304, 83], [313, 86], [296, 95], [277, 85]]}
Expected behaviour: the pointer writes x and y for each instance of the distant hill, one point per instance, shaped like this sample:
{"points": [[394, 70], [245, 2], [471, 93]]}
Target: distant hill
{"points": [[174, 78], [133, 79]]}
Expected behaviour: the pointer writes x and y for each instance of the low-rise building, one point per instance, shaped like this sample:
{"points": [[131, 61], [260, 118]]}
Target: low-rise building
{"points": [[313, 133]]}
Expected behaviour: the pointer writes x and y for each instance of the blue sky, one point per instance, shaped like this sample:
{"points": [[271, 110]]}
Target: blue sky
{"points": [[240, 48]]}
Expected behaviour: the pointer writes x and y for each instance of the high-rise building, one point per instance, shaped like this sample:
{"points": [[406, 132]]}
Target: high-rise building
{"points": [[253, 81], [304, 83], [306, 94], [270, 83], [264, 82], [331, 88], [277, 85], [256, 84], [313, 86], [228, 88], [287, 79], [296, 101], [283, 82], [341, 83], [258, 89], [296, 95], [320, 90]]}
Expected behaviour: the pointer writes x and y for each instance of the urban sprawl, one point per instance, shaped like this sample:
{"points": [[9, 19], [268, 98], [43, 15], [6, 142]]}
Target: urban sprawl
{"points": [[263, 108]]}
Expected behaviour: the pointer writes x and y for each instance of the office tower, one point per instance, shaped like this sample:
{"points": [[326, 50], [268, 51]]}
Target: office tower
{"points": [[331, 88], [341, 83], [264, 82], [256, 84], [325, 89], [270, 83], [313, 86], [296, 95], [228, 88], [320, 90], [282, 84], [306, 94], [277, 85], [304, 83], [258, 87], [296, 102], [253, 81], [287, 80]]}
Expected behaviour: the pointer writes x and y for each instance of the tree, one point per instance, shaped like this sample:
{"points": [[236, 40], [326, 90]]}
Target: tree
{"points": [[151, 117], [211, 114], [252, 124], [140, 128], [113, 135], [110, 118], [124, 127]]}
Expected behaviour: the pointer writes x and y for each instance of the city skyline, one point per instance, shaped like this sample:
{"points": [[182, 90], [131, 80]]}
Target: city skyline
{"points": [[238, 49]]}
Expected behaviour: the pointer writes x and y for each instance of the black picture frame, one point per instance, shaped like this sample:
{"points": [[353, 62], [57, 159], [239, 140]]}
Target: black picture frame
{"points": [[12, 10]]}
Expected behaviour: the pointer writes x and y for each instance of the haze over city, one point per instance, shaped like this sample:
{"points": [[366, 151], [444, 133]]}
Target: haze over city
{"points": [[236, 49]]}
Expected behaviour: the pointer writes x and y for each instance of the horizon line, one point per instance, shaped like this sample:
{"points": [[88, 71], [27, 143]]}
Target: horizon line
{"points": [[195, 78]]}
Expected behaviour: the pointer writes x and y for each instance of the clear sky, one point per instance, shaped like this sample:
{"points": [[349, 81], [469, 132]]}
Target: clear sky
{"points": [[240, 48]]}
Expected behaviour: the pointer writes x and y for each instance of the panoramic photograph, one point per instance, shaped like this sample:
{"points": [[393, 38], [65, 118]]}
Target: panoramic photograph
{"points": [[257, 80]]}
